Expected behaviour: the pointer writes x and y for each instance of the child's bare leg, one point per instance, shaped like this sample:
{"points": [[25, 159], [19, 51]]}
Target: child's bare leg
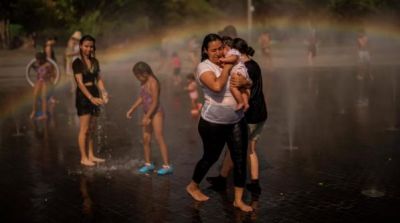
{"points": [[43, 98], [92, 127], [84, 122], [35, 99], [238, 97], [157, 122], [253, 159], [245, 98], [147, 131]]}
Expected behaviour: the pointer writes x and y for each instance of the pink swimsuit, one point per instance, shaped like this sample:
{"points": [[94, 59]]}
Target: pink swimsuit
{"points": [[147, 100], [42, 73]]}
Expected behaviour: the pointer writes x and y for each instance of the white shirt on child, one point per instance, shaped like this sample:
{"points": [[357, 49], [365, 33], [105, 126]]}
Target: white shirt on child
{"points": [[239, 67]]}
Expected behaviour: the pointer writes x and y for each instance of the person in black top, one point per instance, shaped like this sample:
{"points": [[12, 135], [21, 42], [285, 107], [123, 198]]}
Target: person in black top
{"points": [[256, 117], [90, 94]]}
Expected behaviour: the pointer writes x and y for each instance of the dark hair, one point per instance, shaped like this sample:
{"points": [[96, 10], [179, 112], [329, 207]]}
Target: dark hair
{"points": [[207, 39], [250, 51], [227, 40], [242, 47], [88, 38], [40, 56], [141, 68], [52, 38]]}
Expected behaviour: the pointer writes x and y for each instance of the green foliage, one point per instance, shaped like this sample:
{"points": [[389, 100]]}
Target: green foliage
{"points": [[103, 17], [17, 30], [90, 23], [178, 12]]}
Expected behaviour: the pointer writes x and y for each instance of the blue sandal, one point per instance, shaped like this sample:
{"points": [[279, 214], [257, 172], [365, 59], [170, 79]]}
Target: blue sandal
{"points": [[146, 168], [165, 170]]}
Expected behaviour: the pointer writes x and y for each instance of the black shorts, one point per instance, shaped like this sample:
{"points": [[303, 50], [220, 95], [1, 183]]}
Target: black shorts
{"points": [[83, 104]]}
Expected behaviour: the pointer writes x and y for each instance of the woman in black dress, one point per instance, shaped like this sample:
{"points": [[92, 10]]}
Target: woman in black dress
{"points": [[90, 94]]}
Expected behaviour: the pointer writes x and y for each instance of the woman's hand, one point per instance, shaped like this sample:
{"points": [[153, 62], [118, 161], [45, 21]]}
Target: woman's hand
{"points": [[104, 95], [96, 101], [227, 66]]}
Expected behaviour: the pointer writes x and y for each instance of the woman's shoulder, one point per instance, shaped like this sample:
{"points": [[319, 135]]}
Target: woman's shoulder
{"points": [[251, 63], [77, 61], [206, 65], [252, 66]]}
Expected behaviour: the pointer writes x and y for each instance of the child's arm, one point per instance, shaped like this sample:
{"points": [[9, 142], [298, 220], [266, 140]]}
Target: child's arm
{"points": [[154, 92], [135, 105], [191, 87], [232, 59]]}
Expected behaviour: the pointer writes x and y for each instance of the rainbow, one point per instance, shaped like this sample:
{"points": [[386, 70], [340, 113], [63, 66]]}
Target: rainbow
{"points": [[143, 48]]}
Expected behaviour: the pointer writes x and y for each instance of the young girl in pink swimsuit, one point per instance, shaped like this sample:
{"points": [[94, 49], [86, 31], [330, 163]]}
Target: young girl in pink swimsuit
{"points": [[43, 69], [153, 117]]}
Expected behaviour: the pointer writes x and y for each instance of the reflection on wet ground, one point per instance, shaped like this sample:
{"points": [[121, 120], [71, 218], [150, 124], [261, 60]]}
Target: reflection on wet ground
{"points": [[329, 153]]}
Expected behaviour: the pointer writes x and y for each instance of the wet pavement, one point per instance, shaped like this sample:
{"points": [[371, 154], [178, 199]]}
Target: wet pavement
{"points": [[327, 154]]}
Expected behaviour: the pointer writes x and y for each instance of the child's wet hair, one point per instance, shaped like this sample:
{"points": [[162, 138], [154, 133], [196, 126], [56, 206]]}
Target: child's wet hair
{"points": [[228, 41], [142, 68]]}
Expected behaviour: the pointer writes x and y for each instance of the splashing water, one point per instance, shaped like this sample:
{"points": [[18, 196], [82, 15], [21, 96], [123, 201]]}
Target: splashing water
{"points": [[101, 133], [110, 166]]}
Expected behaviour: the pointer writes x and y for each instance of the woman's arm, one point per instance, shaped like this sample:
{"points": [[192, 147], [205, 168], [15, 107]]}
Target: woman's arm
{"points": [[214, 83]]}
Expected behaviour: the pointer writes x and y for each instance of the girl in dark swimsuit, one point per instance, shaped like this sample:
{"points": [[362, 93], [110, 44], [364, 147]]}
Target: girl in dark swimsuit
{"points": [[43, 69]]}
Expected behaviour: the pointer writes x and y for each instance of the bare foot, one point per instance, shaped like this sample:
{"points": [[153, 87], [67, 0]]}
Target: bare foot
{"points": [[242, 206], [87, 163], [239, 106], [196, 193], [42, 117], [96, 159]]}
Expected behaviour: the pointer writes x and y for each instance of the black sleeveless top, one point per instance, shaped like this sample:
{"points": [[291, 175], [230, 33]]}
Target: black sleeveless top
{"points": [[257, 111], [87, 75]]}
